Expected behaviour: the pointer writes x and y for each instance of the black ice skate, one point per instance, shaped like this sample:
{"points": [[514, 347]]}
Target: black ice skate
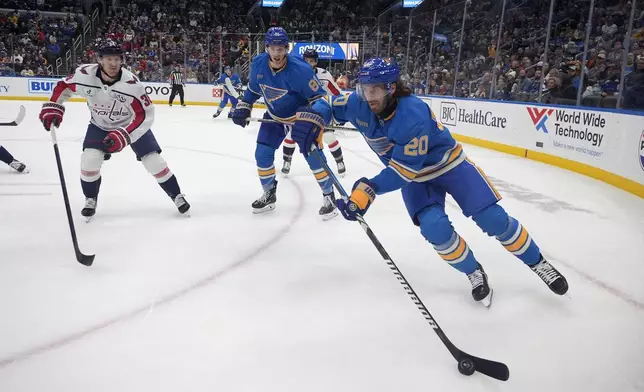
{"points": [[286, 168], [182, 205], [267, 201], [342, 169], [481, 290], [217, 113], [90, 208], [328, 209], [19, 166], [550, 276]]}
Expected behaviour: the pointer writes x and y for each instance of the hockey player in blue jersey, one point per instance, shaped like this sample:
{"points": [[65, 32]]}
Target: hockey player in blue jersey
{"points": [[294, 98], [424, 161], [231, 83]]}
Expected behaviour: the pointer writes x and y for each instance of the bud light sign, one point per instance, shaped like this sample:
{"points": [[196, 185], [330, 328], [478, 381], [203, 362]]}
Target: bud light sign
{"points": [[327, 50], [41, 86]]}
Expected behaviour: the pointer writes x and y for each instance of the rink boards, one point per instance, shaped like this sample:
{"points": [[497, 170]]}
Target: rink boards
{"points": [[604, 144]]}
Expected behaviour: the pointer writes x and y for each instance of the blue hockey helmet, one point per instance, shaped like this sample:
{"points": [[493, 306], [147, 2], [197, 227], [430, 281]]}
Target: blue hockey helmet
{"points": [[276, 36], [379, 70], [310, 54], [227, 68]]}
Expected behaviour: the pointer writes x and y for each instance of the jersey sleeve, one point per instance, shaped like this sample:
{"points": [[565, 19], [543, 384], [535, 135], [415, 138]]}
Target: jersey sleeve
{"points": [[408, 157], [66, 87], [344, 107], [311, 89], [141, 107], [252, 93]]}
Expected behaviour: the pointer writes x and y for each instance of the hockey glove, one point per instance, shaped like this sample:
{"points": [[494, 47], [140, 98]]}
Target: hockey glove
{"points": [[361, 198], [51, 114], [308, 129], [116, 140], [241, 113]]}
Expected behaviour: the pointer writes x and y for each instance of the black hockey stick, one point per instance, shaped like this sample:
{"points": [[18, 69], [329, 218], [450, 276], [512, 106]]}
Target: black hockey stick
{"points": [[86, 260], [490, 368], [18, 120], [271, 121]]}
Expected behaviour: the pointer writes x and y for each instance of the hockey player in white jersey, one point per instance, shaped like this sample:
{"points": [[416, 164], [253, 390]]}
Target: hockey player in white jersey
{"points": [[311, 57], [121, 116]]}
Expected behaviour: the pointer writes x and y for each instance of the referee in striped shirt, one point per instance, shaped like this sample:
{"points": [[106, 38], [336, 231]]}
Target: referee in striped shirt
{"points": [[176, 80]]}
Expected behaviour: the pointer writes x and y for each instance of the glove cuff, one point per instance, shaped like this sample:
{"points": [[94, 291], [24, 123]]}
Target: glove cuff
{"points": [[53, 105], [124, 135], [363, 195], [243, 105]]}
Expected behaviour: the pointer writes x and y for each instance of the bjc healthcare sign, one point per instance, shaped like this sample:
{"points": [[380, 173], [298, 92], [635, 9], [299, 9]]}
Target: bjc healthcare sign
{"points": [[327, 50]]}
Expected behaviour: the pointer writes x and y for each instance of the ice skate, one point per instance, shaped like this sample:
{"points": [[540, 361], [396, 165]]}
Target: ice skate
{"points": [[182, 205], [89, 209], [267, 201], [217, 113], [342, 169], [19, 166], [550, 276], [328, 209], [286, 168], [481, 290]]}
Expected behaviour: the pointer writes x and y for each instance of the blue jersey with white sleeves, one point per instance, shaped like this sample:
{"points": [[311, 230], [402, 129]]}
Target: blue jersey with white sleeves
{"points": [[286, 89], [234, 80], [410, 142]]}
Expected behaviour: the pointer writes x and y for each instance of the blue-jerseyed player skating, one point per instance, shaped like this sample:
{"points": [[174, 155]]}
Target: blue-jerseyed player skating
{"points": [[295, 98], [231, 83], [424, 161]]}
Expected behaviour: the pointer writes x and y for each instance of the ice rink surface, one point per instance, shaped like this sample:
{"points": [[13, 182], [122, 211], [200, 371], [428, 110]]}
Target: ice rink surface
{"points": [[230, 301]]}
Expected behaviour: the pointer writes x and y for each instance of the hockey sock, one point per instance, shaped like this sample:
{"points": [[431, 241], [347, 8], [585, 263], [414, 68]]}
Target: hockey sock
{"points": [[5, 156], [266, 176], [457, 253], [171, 187], [90, 189], [336, 151], [288, 149], [518, 242]]}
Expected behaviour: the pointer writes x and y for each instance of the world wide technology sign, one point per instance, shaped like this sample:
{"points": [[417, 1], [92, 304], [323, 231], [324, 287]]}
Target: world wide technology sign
{"points": [[328, 50]]}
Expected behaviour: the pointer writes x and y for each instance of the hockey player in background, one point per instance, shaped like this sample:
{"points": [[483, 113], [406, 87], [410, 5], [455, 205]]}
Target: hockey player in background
{"points": [[6, 157], [121, 116], [332, 89], [424, 161], [295, 99], [231, 83]]}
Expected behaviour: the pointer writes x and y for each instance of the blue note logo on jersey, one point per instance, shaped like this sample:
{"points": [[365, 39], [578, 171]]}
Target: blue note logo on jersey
{"points": [[642, 150], [314, 85], [272, 94]]}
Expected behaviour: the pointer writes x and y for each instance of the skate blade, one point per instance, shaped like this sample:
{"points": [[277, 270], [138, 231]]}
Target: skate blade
{"points": [[185, 214], [268, 208], [88, 218], [487, 301], [330, 215], [285, 175], [341, 175]]}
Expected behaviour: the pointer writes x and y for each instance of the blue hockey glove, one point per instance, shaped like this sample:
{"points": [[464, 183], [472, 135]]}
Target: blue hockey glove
{"points": [[241, 113], [361, 198], [307, 129]]}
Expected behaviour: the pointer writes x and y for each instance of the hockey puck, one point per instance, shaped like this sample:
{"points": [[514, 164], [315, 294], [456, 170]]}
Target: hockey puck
{"points": [[466, 367]]}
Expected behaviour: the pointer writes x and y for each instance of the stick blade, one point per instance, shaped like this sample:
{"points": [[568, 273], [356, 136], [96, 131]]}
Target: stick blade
{"points": [[21, 115], [86, 260], [496, 370]]}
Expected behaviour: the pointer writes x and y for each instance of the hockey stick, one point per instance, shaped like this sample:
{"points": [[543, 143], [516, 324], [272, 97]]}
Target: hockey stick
{"points": [[466, 361], [271, 121], [21, 115], [86, 260]]}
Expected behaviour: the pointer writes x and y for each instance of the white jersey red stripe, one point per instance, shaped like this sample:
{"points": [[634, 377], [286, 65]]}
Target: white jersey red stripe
{"points": [[123, 104], [327, 81]]}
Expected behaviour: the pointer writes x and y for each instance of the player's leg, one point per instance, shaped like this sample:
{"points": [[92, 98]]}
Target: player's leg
{"points": [[222, 105], [478, 198], [147, 150], [181, 96], [334, 146], [91, 162], [287, 150], [233, 103], [6, 157], [426, 206], [328, 209], [269, 138], [173, 93]]}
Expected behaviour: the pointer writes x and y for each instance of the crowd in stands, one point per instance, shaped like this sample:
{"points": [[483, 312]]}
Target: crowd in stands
{"points": [[203, 36]]}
